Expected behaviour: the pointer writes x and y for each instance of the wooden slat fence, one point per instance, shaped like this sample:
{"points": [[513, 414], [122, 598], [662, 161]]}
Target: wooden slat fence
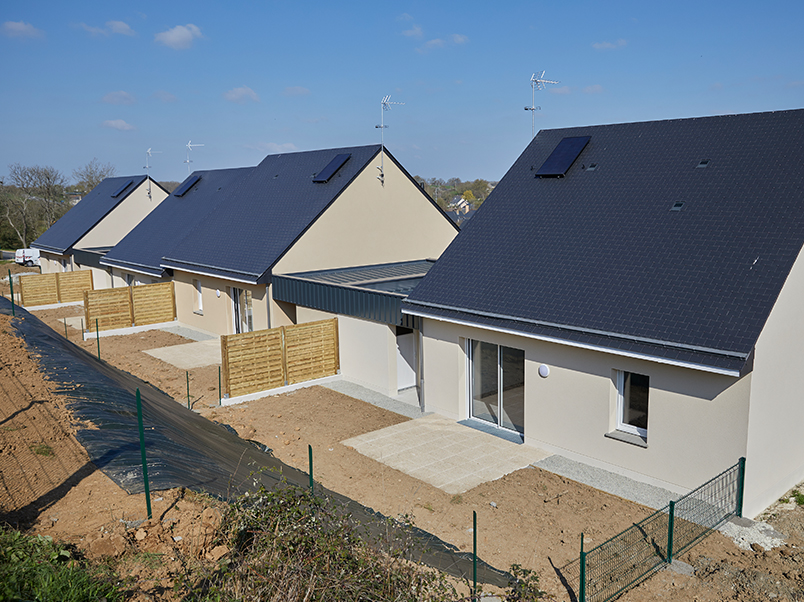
{"points": [[130, 306], [267, 359], [57, 287]]}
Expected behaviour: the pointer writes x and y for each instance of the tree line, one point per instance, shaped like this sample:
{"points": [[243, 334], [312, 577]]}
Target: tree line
{"points": [[445, 191]]}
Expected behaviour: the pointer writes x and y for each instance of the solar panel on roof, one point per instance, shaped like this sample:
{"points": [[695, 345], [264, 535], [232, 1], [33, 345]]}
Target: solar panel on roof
{"points": [[122, 188], [562, 157], [325, 174], [181, 190]]}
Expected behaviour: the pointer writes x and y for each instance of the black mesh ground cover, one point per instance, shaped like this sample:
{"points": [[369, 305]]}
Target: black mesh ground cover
{"points": [[185, 449]]}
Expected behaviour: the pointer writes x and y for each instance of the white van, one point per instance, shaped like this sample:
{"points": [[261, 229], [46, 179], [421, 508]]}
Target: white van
{"points": [[29, 257]]}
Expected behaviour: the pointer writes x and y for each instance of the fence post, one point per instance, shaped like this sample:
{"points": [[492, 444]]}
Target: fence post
{"points": [[142, 453], [582, 585], [11, 284], [187, 374], [310, 455], [219, 385], [474, 556], [97, 336], [66, 336], [740, 486], [670, 521]]}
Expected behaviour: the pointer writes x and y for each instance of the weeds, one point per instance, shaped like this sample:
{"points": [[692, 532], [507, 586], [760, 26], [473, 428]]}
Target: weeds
{"points": [[456, 499], [35, 568], [42, 449], [798, 497]]}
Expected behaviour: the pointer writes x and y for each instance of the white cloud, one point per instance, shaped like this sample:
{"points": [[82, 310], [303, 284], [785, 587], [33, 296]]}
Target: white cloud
{"points": [[180, 37], [593, 89], [413, 32], [20, 29], [95, 31], [609, 45], [430, 45], [119, 98], [295, 91], [404, 17], [120, 27], [561, 90], [458, 38], [241, 95], [273, 147], [118, 124], [164, 96]]}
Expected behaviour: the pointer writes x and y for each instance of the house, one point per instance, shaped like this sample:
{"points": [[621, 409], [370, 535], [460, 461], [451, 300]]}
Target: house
{"points": [[223, 236], [93, 226], [634, 302]]}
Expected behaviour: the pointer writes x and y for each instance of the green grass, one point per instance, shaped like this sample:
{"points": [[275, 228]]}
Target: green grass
{"points": [[42, 449], [35, 568]]}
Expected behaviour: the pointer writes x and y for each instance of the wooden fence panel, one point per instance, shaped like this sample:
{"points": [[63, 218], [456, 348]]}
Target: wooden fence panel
{"points": [[311, 350], [111, 307], [39, 289], [154, 303], [73, 284], [252, 361]]}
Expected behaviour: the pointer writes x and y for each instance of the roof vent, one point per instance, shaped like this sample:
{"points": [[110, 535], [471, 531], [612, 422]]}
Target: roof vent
{"points": [[703, 163], [592, 167], [677, 206], [562, 157], [120, 190], [188, 183], [332, 167]]}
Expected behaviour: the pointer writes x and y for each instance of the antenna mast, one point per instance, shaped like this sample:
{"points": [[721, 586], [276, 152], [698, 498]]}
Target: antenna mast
{"points": [[190, 146], [385, 105], [537, 82], [148, 154]]}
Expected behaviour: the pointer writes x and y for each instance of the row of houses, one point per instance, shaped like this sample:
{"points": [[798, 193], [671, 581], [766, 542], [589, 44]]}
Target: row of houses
{"points": [[629, 296]]}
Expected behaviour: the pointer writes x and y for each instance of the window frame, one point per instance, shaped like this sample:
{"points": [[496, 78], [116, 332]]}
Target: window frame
{"points": [[198, 305], [623, 426]]}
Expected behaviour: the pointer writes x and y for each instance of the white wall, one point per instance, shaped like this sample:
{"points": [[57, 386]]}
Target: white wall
{"points": [[697, 421], [367, 350], [775, 459]]}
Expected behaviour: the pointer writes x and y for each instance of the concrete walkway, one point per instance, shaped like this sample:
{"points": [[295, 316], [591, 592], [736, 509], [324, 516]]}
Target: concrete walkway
{"points": [[190, 355], [445, 454]]}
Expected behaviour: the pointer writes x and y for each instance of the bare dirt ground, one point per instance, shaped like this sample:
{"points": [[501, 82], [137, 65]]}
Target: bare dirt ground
{"points": [[536, 520]]}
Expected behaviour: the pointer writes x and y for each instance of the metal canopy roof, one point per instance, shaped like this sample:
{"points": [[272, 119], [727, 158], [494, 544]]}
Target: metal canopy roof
{"points": [[373, 292]]}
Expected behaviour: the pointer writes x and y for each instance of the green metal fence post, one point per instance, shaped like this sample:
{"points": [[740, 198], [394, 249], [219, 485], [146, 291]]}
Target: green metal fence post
{"points": [[219, 385], [670, 521], [97, 336], [310, 456], [187, 374], [11, 284], [474, 555], [582, 585], [142, 453], [66, 336], [740, 487]]}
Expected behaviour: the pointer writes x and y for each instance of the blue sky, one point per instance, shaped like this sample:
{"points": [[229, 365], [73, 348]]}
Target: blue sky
{"points": [[246, 79]]}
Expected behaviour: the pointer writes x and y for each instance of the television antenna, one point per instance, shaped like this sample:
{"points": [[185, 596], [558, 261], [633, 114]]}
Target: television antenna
{"points": [[537, 82], [385, 105], [149, 153], [190, 146]]}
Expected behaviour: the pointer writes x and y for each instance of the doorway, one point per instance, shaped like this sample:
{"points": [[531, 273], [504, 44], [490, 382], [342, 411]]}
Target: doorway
{"points": [[242, 317], [497, 385]]}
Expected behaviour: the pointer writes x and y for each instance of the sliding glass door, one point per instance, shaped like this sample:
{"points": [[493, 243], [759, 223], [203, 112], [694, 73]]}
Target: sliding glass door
{"points": [[497, 385]]}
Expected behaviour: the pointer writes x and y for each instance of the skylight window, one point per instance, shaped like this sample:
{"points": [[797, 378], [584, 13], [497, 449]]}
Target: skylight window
{"points": [[677, 206], [562, 157], [332, 167], [703, 163], [189, 183], [120, 190]]}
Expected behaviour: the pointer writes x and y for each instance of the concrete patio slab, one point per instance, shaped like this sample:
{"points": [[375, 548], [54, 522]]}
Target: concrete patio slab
{"points": [[190, 355], [445, 454]]}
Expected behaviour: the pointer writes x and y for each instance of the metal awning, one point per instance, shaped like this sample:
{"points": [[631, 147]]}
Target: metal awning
{"points": [[373, 292]]}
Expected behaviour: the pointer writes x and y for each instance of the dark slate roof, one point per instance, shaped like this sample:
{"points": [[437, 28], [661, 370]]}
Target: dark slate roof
{"points": [[86, 214], [272, 207], [156, 235], [599, 257]]}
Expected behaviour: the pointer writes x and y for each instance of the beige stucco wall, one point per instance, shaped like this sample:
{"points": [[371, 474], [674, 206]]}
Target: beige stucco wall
{"points": [[775, 459], [217, 310], [51, 263], [369, 224], [367, 350], [122, 219], [697, 421]]}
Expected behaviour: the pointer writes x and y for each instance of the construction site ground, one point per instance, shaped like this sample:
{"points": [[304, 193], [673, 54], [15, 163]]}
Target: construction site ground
{"points": [[531, 516]]}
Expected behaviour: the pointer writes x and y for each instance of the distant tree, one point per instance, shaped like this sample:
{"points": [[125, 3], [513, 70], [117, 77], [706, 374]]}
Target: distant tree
{"points": [[92, 174], [43, 186], [468, 196], [21, 212], [169, 185]]}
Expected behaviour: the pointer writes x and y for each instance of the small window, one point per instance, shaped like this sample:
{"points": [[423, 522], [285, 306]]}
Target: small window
{"points": [[632, 403], [198, 304], [704, 163], [129, 280], [677, 206], [592, 167]]}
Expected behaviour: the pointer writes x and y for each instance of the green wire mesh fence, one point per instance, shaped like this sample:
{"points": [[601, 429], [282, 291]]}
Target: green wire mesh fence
{"points": [[627, 559]]}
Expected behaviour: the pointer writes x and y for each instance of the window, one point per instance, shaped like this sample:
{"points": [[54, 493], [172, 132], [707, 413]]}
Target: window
{"points": [[632, 403], [497, 385], [198, 303], [241, 310], [129, 279]]}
